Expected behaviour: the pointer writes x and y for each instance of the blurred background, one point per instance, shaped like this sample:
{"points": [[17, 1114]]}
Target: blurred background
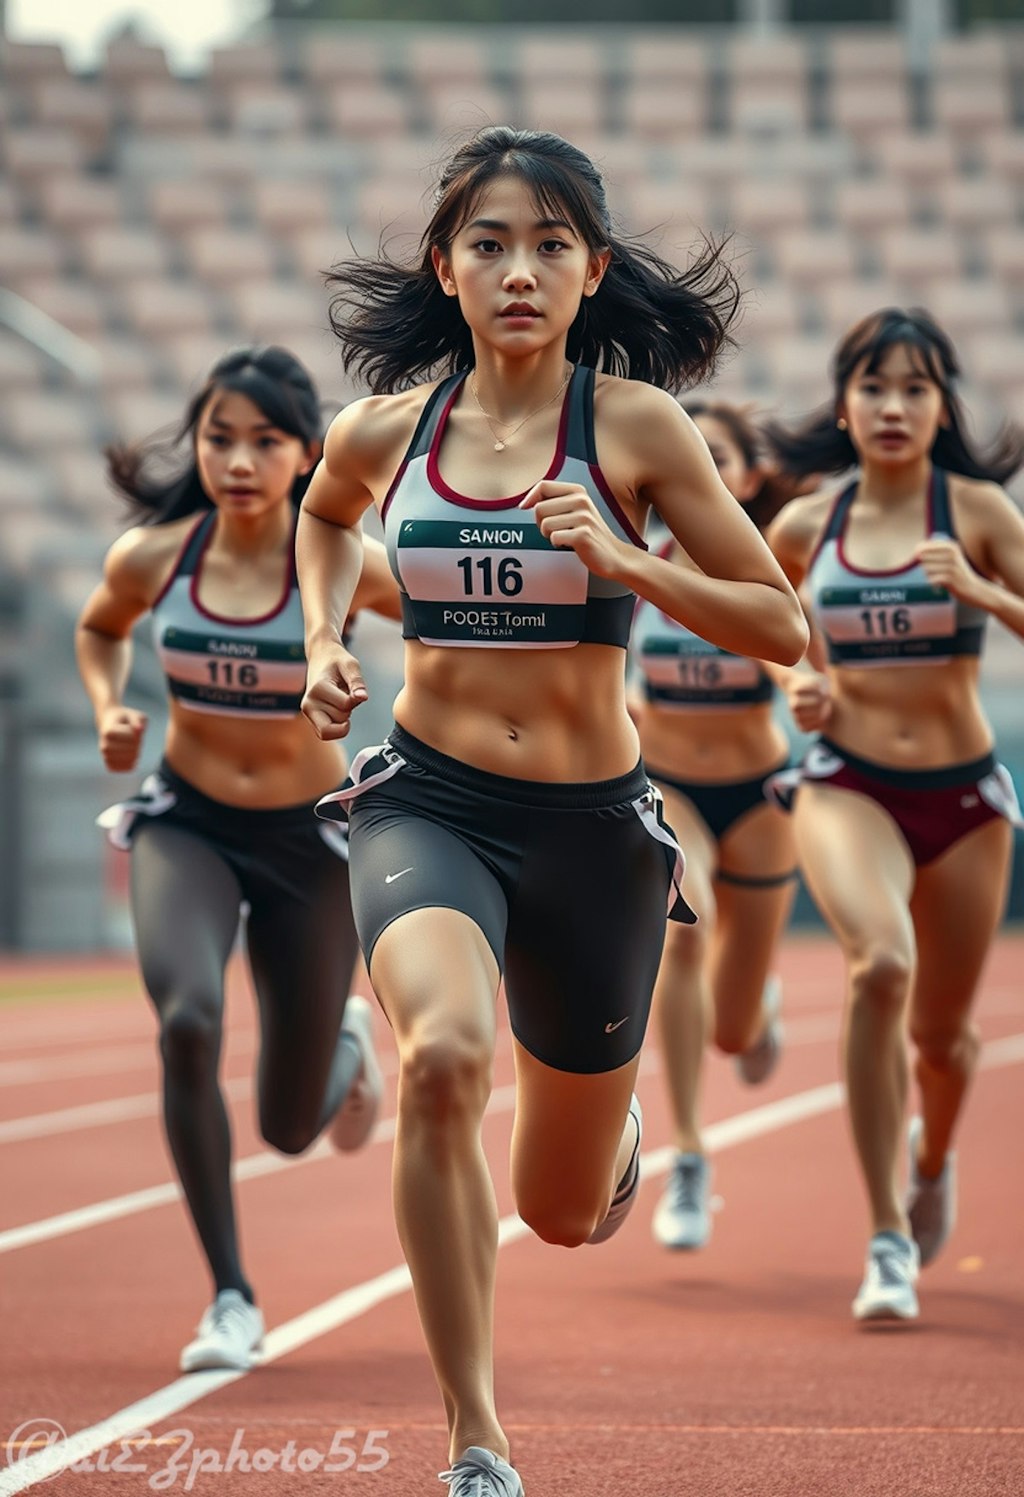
{"points": [[174, 179]]}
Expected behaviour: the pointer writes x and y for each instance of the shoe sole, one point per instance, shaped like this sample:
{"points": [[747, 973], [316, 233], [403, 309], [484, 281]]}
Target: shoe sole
{"points": [[885, 1315], [211, 1362]]}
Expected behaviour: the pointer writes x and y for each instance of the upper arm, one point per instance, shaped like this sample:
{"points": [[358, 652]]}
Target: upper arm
{"points": [[679, 479], [794, 533], [133, 574], [377, 589], [342, 487], [1002, 528]]}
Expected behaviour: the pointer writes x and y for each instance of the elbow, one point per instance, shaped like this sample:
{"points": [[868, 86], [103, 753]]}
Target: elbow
{"points": [[791, 641]]}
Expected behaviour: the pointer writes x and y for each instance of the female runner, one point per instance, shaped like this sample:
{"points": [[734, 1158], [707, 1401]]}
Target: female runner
{"points": [[902, 819], [708, 741], [508, 826], [228, 815]]}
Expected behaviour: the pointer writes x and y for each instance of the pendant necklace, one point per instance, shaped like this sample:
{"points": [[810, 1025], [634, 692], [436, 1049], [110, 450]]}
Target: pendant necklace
{"points": [[500, 443]]}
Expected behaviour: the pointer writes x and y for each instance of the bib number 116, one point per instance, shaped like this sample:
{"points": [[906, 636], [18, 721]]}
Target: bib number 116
{"points": [[508, 576]]}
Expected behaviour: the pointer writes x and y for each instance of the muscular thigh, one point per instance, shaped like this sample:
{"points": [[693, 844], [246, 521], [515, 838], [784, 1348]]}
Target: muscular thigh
{"points": [[185, 909], [760, 845], [957, 907], [302, 950], [586, 928], [857, 866]]}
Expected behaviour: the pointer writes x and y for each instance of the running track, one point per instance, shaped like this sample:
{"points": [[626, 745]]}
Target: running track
{"points": [[622, 1370]]}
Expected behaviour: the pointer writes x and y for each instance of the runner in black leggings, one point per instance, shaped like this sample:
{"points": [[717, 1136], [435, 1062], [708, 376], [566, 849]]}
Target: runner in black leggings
{"points": [[226, 821]]}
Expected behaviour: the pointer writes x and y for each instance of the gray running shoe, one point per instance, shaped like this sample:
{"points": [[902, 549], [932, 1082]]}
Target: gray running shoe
{"points": [[481, 1473], [890, 1274], [757, 1064], [683, 1218], [353, 1122], [625, 1195], [931, 1204], [230, 1334]]}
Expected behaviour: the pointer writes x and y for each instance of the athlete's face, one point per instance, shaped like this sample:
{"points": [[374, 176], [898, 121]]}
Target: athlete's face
{"points": [[893, 414], [740, 479], [247, 465], [519, 273]]}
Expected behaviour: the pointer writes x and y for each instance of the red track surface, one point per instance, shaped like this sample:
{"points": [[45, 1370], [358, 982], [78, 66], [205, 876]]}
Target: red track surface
{"points": [[737, 1372]]}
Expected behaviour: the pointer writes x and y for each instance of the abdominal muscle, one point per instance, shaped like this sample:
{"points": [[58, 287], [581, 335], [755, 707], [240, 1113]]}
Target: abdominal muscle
{"points": [[553, 715], [247, 763], [712, 745], [910, 717]]}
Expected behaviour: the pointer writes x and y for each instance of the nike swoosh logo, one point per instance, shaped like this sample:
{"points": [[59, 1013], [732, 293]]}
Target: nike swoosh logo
{"points": [[389, 878], [611, 1028]]}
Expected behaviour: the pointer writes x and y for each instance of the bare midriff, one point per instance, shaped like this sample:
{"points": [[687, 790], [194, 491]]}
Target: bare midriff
{"points": [[242, 762], [553, 715], [910, 717], [710, 745]]}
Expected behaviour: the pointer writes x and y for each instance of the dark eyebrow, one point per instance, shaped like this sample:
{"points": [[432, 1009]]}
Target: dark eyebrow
{"points": [[503, 228], [227, 426]]}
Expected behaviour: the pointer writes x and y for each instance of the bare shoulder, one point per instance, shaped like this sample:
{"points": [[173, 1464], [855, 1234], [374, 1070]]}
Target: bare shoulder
{"points": [[980, 501], [620, 403], [140, 561], [370, 436], [796, 530], [802, 520]]}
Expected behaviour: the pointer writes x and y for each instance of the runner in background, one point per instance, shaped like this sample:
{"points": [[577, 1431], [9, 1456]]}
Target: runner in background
{"points": [[902, 814], [709, 741], [226, 822]]}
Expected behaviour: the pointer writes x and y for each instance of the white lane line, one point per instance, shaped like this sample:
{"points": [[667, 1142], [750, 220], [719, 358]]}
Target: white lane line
{"points": [[116, 1110], [98, 1114], [252, 1167], [803, 1031], [102, 1062], [351, 1303]]}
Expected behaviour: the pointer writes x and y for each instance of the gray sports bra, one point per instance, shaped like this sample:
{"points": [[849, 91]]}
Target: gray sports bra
{"points": [[478, 572]]}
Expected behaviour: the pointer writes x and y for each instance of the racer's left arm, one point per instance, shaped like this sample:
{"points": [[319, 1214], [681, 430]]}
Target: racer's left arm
{"points": [[993, 528], [736, 594]]}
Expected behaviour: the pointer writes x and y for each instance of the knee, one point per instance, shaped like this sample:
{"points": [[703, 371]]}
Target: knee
{"points": [[947, 1050], [880, 980], [730, 1038], [190, 1037], [445, 1079], [560, 1223], [686, 946], [287, 1134]]}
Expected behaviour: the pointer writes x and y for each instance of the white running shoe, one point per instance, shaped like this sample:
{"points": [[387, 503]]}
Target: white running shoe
{"points": [[931, 1204], [230, 1334], [890, 1274], [682, 1220], [757, 1063], [481, 1473], [629, 1185], [354, 1119]]}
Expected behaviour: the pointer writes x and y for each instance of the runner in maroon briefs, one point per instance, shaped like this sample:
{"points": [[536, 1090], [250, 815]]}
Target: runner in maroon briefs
{"points": [[227, 819], [709, 740], [901, 813], [508, 824]]}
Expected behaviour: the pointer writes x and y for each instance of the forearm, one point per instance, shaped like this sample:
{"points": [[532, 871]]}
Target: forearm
{"points": [[104, 664], [328, 562], [755, 619]]}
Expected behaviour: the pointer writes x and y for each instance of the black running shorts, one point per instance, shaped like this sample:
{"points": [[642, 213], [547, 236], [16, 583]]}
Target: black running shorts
{"points": [[569, 884]]}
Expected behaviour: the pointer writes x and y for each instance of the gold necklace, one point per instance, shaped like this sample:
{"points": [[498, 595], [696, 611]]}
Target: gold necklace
{"points": [[500, 443]]}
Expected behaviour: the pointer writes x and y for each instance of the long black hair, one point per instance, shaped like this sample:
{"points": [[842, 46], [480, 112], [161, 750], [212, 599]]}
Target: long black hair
{"points": [[646, 321], [777, 488], [161, 490], [819, 446]]}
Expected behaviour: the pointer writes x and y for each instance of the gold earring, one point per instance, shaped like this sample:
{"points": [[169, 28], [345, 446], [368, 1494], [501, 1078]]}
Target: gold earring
{"points": [[841, 423]]}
